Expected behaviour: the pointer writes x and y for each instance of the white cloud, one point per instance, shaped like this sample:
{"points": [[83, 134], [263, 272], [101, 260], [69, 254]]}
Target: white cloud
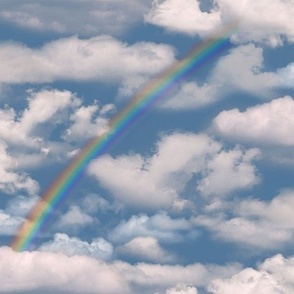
{"points": [[274, 275], [286, 75], [11, 180], [82, 60], [268, 123], [87, 123], [45, 108], [253, 223], [74, 218], [160, 226], [21, 205], [162, 177], [183, 16], [29, 132], [62, 243], [58, 273], [159, 178], [92, 203], [182, 289], [189, 95], [9, 223], [145, 249], [234, 168], [248, 76], [158, 278], [260, 21], [226, 78], [85, 17]]}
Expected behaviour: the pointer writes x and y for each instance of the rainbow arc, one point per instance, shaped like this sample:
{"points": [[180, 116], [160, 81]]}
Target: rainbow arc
{"points": [[144, 100]]}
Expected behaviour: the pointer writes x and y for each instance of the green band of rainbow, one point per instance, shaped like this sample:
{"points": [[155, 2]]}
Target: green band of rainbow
{"points": [[144, 99]]}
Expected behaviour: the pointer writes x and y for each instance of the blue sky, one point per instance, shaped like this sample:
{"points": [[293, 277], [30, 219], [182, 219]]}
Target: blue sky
{"points": [[197, 196]]}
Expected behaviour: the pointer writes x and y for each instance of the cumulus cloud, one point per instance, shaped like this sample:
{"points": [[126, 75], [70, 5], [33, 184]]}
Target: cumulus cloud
{"points": [[21, 205], [29, 133], [248, 76], [162, 177], [85, 17], [32, 271], [226, 78], [190, 95], [74, 218], [93, 203], [44, 107], [87, 121], [12, 216], [184, 17], [256, 21], [233, 167], [152, 278], [145, 249], [182, 289], [159, 226], [286, 75], [268, 123], [58, 273], [82, 60], [11, 180], [71, 246], [253, 223], [274, 275], [9, 223]]}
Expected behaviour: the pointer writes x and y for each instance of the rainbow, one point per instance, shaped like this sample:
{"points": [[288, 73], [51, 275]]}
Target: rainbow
{"points": [[144, 99]]}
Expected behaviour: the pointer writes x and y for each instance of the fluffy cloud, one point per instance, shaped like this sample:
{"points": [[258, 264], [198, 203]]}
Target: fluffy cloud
{"points": [[85, 17], [82, 60], [270, 123], [12, 181], [74, 218], [8, 223], [145, 249], [226, 78], [14, 213], [253, 223], [162, 177], [45, 108], [183, 17], [57, 273], [286, 75], [256, 21], [160, 226], [248, 76], [21, 205], [87, 121], [190, 95], [274, 275], [182, 289], [33, 271], [150, 278], [62, 243], [232, 167], [29, 133]]}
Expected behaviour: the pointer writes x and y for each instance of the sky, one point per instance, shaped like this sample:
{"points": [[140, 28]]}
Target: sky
{"points": [[196, 196]]}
